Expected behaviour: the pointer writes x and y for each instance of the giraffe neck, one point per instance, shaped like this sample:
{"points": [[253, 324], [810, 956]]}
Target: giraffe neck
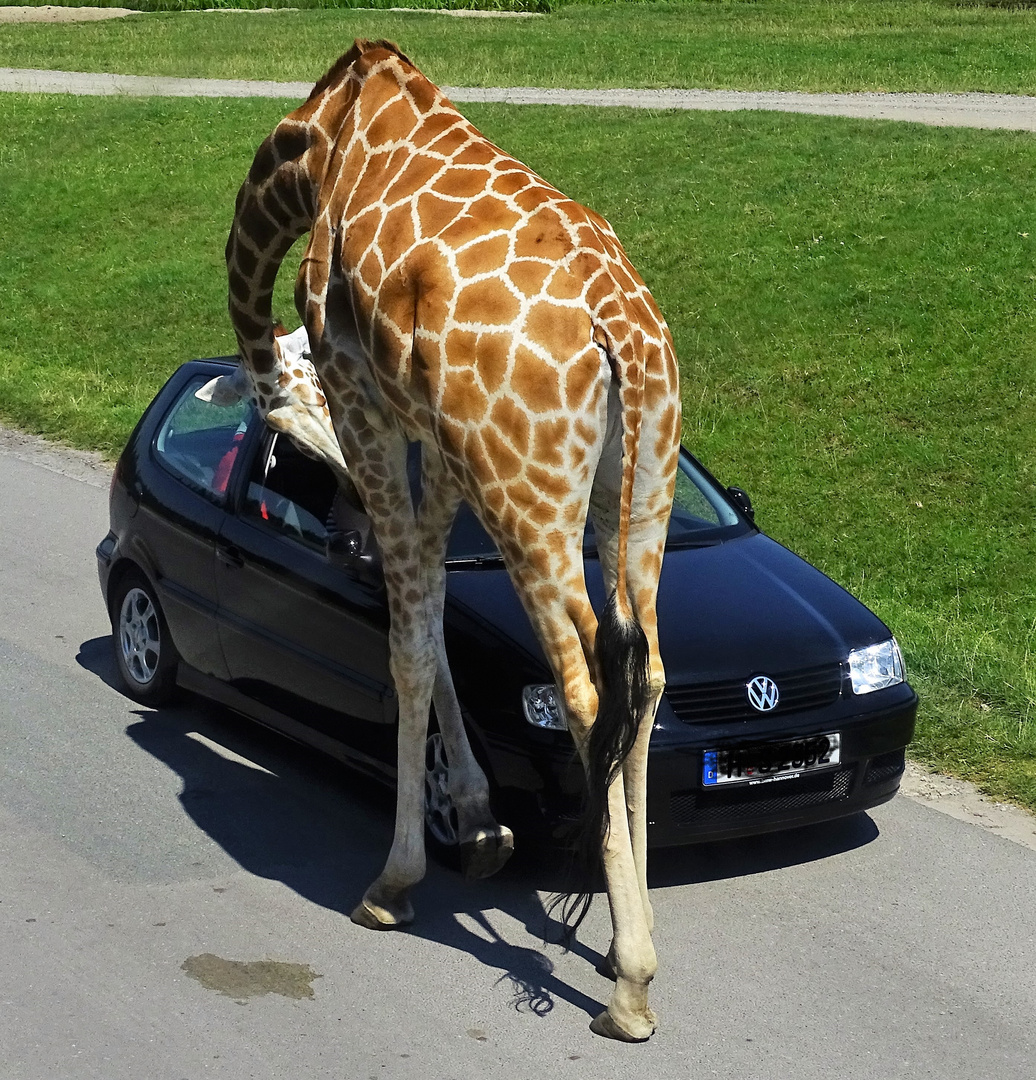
{"points": [[279, 200], [275, 206]]}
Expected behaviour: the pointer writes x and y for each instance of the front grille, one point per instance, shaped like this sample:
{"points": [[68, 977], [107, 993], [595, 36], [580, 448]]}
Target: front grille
{"points": [[721, 702], [739, 801]]}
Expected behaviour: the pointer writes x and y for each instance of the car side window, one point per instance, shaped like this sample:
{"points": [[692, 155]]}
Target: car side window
{"points": [[690, 501], [199, 441], [291, 493], [696, 503]]}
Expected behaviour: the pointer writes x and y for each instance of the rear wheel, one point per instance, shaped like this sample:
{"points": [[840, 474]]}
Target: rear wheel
{"points": [[440, 815], [145, 656]]}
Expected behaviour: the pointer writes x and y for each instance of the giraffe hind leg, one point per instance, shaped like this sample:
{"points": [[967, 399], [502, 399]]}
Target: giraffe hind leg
{"points": [[568, 638], [484, 845]]}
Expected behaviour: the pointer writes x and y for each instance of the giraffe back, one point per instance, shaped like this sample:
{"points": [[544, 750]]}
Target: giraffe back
{"points": [[492, 312]]}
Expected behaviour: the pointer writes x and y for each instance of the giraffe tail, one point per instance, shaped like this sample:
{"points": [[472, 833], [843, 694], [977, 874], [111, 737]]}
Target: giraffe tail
{"points": [[623, 682], [623, 694]]}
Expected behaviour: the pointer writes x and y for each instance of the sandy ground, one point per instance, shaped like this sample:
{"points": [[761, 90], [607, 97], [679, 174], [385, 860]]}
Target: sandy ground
{"points": [[965, 802]]}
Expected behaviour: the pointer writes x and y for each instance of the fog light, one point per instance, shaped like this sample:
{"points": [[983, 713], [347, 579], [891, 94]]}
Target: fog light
{"points": [[541, 708], [876, 667]]}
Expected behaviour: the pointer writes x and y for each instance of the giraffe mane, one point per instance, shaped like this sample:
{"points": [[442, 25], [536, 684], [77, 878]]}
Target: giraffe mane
{"points": [[338, 70]]}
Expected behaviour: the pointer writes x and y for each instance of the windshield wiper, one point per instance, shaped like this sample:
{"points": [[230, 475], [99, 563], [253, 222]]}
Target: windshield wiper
{"points": [[473, 562]]}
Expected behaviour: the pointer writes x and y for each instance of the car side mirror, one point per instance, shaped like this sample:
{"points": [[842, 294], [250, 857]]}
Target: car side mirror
{"points": [[345, 548], [739, 497]]}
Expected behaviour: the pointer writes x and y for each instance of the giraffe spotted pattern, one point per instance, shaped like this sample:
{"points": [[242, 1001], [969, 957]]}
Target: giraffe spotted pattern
{"points": [[454, 298]]}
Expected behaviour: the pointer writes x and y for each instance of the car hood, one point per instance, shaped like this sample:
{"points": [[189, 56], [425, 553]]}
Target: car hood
{"points": [[744, 606]]}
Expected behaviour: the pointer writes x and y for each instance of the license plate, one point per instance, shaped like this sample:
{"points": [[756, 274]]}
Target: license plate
{"points": [[771, 761]]}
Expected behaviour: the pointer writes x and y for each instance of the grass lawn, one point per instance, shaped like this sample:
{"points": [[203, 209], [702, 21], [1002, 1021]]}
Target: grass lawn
{"points": [[741, 44], [852, 304]]}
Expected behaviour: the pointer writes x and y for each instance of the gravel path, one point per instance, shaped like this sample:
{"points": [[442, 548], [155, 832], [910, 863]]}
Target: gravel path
{"points": [[51, 13], [946, 110]]}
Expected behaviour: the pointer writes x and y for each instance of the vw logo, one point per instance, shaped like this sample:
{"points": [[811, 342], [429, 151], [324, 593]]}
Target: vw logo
{"points": [[763, 694]]}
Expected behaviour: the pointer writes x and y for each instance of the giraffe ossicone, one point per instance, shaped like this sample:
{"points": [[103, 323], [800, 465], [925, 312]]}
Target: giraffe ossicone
{"points": [[454, 298]]}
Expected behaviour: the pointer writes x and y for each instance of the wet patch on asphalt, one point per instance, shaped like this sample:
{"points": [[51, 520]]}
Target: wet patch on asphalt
{"points": [[242, 979]]}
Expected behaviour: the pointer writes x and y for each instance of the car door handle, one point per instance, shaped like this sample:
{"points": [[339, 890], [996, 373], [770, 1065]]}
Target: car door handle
{"points": [[230, 556]]}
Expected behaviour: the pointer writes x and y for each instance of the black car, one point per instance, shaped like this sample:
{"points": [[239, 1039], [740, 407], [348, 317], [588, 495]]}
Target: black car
{"points": [[236, 567]]}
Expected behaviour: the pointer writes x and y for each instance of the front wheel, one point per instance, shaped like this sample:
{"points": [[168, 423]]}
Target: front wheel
{"points": [[145, 656]]}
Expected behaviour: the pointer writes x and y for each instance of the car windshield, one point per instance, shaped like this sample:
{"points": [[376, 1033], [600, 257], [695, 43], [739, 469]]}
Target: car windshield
{"points": [[701, 515]]}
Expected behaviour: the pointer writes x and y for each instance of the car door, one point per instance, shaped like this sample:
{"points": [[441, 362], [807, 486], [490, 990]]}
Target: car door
{"points": [[304, 634], [183, 496]]}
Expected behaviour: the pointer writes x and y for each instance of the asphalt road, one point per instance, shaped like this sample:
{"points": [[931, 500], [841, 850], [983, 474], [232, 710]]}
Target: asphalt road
{"points": [[133, 843]]}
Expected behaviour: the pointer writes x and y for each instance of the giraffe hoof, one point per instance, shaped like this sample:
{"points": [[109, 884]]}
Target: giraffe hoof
{"points": [[379, 917], [487, 853], [639, 1029]]}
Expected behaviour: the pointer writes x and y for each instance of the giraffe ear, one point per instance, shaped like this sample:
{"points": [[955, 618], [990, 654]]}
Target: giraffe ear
{"points": [[224, 389], [294, 346]]}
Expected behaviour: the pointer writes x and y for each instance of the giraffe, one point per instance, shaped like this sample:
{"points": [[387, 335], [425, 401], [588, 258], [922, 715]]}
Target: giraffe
{"points": [[455, 299]]}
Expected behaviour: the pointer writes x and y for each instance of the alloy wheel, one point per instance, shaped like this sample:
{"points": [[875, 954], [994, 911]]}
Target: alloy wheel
{"points": [[139, 636], [439, 812]]}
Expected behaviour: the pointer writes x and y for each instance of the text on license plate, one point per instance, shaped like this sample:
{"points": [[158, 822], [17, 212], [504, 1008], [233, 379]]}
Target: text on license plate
{"points": [[771, 761]]}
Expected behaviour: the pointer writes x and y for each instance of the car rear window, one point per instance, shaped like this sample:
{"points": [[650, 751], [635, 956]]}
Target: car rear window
{"points": [[198, 441]]}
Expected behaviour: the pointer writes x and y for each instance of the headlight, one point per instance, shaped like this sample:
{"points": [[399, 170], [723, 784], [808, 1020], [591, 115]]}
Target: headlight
{"points": [[541, 708], [876, 667]]}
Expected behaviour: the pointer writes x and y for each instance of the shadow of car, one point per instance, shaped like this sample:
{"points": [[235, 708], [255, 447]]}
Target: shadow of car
{"points": [[235, 566]]}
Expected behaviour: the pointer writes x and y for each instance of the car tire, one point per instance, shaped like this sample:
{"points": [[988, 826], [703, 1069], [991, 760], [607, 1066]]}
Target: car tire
{"points": [[145, 656]]}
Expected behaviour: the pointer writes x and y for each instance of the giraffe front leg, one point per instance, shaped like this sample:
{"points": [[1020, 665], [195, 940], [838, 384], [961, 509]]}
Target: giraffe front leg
{"points": [[412, 660], [386, 904]]}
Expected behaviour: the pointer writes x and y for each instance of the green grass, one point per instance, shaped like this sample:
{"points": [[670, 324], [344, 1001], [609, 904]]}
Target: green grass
{"points": [[923, 45], [852, 304]]}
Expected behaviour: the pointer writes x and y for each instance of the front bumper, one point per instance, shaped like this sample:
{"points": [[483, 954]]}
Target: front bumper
{"points": [[681, 810]]}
